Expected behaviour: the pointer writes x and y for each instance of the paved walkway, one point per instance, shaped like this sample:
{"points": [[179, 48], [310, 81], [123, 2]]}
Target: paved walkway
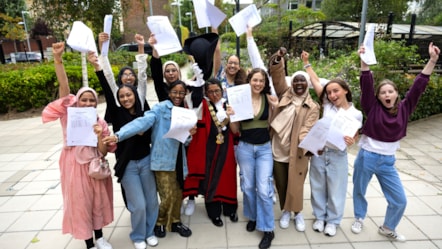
{"points": [[31, 201]]}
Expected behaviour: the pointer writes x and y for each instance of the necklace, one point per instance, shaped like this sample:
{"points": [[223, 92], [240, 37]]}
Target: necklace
{"points": [[219, 125]]}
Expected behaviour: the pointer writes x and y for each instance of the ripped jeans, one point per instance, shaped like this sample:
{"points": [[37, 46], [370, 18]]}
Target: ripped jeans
{"points": [[256, 176]]}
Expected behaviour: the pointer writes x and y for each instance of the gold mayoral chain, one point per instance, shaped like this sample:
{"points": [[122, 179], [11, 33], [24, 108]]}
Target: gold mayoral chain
{"points": [[219, 125]]}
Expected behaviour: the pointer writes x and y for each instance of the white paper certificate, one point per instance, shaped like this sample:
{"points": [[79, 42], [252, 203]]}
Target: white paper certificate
{"points": [[317, 136], [207, 14], [80, 126], [107, 29], [182, 121], [248, 16], [81, 38], [167, 39], [240, 99], [369, 57]]}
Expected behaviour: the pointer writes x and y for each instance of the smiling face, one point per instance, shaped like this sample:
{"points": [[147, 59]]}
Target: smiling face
{"points": [[336, 94], [87, 99], [171, 73], [232, 65], [299, 84], [214, 93], [257, 82], [177, 94], [127, 98], [128, 77], [388, 94]]}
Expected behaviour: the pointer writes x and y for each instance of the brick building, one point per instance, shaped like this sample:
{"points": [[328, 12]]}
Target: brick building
{"points": [[135, 13]]}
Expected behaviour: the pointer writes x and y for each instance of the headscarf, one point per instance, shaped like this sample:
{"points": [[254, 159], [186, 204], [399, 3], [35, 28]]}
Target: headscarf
{"points": [[306, 76], [87, 89], [176, 66]]}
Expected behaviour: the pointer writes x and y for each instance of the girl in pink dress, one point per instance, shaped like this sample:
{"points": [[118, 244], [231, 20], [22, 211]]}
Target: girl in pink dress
{"points": [[87, 202]]}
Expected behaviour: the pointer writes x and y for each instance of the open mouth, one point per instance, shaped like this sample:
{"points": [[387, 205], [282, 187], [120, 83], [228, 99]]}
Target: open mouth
{"points": [[388, 101]]}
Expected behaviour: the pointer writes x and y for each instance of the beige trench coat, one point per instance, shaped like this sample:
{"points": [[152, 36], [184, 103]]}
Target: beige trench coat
{"points": [[306, 116]]}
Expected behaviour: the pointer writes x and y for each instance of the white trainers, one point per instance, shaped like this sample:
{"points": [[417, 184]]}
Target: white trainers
{"points": [[140, 245], [330, 229], [299, 223], [391, 234], [318, 226], [357, 225], [190, 207], [284, 221], [103, 244], [152, 241]]}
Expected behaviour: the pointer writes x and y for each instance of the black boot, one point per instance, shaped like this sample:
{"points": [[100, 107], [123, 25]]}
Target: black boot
{"points": [[266, 241]]}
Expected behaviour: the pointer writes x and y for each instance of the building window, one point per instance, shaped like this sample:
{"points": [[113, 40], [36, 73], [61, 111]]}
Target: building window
{"points": [[292, 5]]}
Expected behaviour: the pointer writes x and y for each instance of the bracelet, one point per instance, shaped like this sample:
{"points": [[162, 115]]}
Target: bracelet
{"points": [[307, 66], [58, 62]]}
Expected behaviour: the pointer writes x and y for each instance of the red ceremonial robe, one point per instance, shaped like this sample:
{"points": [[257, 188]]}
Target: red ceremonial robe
{"points": [[212, 166]]}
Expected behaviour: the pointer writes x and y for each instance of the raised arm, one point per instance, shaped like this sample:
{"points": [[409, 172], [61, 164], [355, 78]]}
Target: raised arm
{"points": [[252, 48], [364, 66], [111, 101], [156, 68], [57, 51], [313, 76], [434, 52], [106, 66], [216, 55], [141, 59], [277, 71]]}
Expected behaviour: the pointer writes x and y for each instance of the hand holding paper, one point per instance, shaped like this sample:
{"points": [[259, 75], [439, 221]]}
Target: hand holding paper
{"points": [[107, 29], [167, 39], [369, 57]]}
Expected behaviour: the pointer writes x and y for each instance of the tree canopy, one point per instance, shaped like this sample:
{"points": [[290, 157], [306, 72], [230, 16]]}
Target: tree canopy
{"points": [[61, 14], [343, 10]]}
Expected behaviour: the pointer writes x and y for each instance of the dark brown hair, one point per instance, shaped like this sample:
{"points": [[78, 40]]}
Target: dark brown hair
{"points": [[266, 89], [340, 82]]}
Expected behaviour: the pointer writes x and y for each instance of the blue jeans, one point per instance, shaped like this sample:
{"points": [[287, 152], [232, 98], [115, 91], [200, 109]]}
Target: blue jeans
{"points": [[368, 163], [328, 182], [256, 167], [141, 195]]}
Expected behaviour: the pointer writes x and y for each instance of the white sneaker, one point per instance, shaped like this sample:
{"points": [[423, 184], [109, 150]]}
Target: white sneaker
{"points": [[284, 221], [330, 229], [391, 234], [318, 226], [356, 227], [103, 244], [140, 245], [190, 207], [299, 223], [152, 241]]}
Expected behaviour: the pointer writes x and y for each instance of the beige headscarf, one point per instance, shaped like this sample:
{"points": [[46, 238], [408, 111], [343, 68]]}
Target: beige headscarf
{"points": [[173, 63]]}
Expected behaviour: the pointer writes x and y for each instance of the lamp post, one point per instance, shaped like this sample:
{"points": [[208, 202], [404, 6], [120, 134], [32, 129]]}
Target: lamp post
{"points": [[178, 3], [191, 26], [26, 28]]}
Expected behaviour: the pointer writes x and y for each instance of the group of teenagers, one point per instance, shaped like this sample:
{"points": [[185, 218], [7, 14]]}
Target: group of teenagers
{"points": [[266, 147]]}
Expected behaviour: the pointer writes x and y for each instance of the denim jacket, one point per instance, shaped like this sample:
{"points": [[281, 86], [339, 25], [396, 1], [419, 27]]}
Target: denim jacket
{"points": [[164, 151]]}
